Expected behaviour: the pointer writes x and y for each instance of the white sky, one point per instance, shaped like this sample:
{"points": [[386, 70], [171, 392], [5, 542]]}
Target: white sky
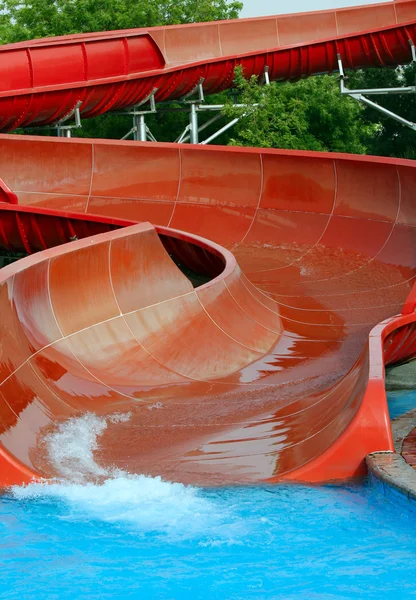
{"points": [[259, 8]]}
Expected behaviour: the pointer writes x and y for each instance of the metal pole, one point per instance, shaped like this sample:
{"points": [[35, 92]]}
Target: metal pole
{"points": [[180, 139], [142, 129], [220, 131], [68, 133], [412, 48], [136, 128], [383, 110], [193, 121], [380, 91], [128, 134], [204, 126], [201, 108], [150, 135]]}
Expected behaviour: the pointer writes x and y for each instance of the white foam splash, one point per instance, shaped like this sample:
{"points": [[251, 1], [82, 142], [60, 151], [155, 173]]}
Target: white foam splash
{"points": [[148, 504], [156, 405], [71, 447]]}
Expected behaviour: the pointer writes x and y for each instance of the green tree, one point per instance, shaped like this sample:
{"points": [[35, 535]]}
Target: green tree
{"points": [[309, 115], [24, 20]]}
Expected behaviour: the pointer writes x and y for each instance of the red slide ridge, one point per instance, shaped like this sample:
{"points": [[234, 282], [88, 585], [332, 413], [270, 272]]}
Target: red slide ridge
{"points": [[238, 304]]}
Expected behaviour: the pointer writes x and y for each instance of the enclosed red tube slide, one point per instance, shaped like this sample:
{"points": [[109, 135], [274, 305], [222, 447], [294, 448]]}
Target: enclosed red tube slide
{"points": [[41, 81], [226, 299]]}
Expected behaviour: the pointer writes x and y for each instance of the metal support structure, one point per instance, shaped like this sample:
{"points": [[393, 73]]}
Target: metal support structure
{"points": [[193, 134], [266, 79], [222, 130], [66, 130], [196, 100], [184, 137], [199, 90], [194, 103], [360, 97], [384, 111], [192, 130], [193, 122], [140, 130], [413, 50], [370, 91]]}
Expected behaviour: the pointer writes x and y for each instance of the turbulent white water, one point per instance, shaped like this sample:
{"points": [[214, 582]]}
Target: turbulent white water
{"points": [[71, 447], [148, 504]]}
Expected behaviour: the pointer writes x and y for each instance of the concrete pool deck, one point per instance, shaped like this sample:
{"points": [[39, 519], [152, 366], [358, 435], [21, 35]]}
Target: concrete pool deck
{"points": [[401, 377], [389, 471]]}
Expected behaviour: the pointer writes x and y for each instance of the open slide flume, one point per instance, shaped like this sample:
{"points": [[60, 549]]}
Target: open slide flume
{"points": [[229, 310]]}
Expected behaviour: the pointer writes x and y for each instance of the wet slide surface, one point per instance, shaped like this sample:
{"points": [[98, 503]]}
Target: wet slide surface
{"points": [[227, 333]]}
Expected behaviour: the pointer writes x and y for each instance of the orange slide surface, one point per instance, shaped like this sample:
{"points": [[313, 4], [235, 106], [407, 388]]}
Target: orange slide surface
{"points": [[236, 306]]}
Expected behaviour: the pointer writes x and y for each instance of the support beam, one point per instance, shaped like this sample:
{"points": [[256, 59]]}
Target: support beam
{"points": [[64, 130], [222, 130], [383, 110], [193, 122], [140, 130], [413, 50], [185, 138], [199, 90], [360, 97]]}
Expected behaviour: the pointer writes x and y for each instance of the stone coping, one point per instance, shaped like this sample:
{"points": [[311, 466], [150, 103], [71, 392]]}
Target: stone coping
{"points": [[390, 467], [393, 470], [401, 427]]}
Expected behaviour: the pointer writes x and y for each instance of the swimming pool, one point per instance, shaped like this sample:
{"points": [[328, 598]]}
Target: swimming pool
{"points": [[143, 538], [400, 402], [140, 537]]}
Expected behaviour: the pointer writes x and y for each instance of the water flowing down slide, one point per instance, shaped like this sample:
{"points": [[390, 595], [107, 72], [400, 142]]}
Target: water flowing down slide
{"points": [[228, 311]]}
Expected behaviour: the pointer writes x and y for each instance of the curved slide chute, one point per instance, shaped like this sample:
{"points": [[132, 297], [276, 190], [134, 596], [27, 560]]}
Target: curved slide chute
{"points": [[228, 304]]}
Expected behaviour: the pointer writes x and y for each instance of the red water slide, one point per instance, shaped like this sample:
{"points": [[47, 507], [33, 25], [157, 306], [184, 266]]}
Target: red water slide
{"points": [[234, 322], [42, 80]]}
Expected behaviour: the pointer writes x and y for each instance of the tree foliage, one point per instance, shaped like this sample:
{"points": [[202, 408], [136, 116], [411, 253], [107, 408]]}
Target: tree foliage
{"points": [[23, 20], [308, 115]]}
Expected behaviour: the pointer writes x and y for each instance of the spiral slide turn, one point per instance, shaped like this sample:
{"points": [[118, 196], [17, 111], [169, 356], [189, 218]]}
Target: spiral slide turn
{"points": [[233, 307]]}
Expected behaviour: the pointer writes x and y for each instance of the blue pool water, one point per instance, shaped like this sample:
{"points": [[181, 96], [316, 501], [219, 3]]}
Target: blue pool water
{"points": [[400, 402], [140, 537]]}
